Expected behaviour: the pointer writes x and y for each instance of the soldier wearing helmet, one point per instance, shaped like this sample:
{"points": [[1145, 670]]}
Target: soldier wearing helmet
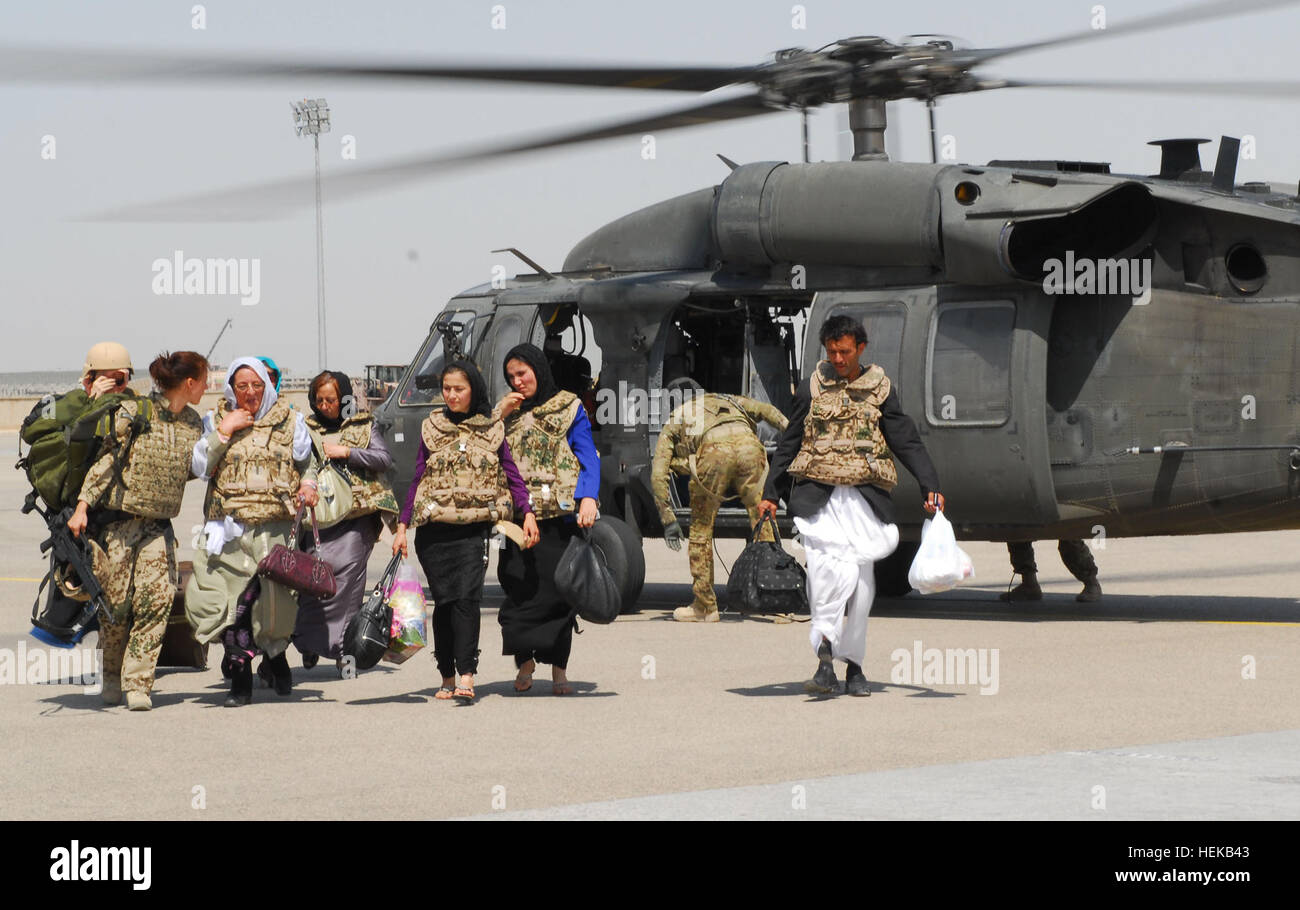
{"points": [[107, 369]]}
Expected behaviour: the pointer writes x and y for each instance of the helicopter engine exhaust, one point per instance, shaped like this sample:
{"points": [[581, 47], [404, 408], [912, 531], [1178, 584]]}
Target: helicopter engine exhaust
{"points": [[1115, 225]]}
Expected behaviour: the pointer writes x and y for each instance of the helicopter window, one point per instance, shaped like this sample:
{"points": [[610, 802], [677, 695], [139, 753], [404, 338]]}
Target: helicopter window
{"points": [[573, 354], [431, 359], [969, 373]]}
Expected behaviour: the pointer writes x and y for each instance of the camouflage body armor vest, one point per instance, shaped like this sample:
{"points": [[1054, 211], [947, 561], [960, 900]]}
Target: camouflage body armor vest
{"points": [[463, 481], [842, 442], [705, 412], [370, 493], [539, 445], [256, 479], [153, 478]]}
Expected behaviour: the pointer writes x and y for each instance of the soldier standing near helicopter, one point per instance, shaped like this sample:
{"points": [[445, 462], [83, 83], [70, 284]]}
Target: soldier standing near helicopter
{"points": [[710, 438], [1075, 555]]}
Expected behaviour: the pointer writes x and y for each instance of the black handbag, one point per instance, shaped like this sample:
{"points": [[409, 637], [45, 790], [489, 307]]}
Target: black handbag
{"points": [[767, 579], [366, 638], [584, 580]]}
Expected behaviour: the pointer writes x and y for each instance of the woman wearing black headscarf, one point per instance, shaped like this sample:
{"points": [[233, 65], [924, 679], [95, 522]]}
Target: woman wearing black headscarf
{"points": [[465, 481], [351, 442], [550, 437]]}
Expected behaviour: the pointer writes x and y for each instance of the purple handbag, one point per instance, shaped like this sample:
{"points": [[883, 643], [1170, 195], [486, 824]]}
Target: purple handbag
{"points": [[305, 573]]}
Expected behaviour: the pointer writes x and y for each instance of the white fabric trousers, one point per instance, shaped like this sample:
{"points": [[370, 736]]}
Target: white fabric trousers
{"points": [[843, 540]]}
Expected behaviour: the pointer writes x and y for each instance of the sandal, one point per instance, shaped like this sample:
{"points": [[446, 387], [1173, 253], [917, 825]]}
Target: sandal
{"points": [[525, 678], [464, 694], [562, 688], [444, 693]]}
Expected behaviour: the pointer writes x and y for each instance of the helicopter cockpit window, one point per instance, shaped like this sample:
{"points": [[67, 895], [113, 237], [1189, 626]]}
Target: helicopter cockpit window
{"points": [[433, 356], [969, 373]]}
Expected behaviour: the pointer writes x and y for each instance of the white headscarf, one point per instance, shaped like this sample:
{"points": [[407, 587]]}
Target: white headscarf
{"points": [[269, 395]]}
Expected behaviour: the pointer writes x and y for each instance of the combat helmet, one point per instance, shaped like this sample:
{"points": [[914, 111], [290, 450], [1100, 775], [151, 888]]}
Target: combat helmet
{"points": [[107, 355]]}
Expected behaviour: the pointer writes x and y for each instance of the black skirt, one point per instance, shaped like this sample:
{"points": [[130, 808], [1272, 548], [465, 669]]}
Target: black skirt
{"points": [[535, 619]]}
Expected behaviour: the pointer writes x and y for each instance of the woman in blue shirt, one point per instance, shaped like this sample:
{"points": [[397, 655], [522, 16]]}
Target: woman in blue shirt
{"points": [[550, 437]]}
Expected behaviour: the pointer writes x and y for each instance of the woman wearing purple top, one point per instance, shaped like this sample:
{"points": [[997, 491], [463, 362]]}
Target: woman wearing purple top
{"points": [[465, 481]]}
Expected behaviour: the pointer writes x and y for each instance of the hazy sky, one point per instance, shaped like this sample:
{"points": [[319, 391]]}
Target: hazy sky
{"points": [[393, 259]]}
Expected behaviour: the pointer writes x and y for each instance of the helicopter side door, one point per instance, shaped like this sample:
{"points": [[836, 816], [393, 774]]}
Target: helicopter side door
{"points": [[969, 366]]}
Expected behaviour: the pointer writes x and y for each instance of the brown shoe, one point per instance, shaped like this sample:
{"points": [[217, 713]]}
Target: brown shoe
{"points": [[138, 701], [1026, 590], [693, 613], [112, 693]]}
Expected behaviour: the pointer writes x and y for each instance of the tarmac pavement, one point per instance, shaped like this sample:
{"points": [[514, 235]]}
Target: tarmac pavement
{"points": [[1175, 696]]}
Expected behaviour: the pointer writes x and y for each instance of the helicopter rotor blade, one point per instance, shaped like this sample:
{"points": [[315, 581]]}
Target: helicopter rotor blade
{"points": [[1185, 15], [58, 65], [272, 198], [1255, 89]]}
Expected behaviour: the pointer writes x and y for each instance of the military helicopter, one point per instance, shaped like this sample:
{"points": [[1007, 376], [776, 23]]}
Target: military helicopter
{"points": [[1084, 352]]}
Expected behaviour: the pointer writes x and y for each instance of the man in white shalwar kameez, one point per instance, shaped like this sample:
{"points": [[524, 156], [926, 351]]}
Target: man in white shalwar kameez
{"points": [[834, 466]]}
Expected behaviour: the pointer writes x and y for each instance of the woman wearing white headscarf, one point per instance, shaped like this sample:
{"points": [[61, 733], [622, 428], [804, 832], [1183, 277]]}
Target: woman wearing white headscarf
{"points": [[257, 458]]}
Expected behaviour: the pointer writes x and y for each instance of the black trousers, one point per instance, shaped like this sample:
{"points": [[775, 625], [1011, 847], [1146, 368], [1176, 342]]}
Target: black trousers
{"points": [[454, 563], [536, 623]]}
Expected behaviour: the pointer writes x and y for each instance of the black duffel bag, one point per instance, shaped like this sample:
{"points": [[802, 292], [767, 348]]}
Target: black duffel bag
{"points": [[767, 579], [366, 638], [584, 580]]}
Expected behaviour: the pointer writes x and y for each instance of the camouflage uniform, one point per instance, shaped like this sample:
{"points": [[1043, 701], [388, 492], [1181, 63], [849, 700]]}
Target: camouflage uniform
{"points": [[711, 439], [137, 567]]}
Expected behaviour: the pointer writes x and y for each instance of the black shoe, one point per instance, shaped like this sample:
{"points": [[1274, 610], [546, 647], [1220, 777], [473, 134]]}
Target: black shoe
{"points": [[241, 685], [1091, 592], [225, 667], [310, 660], [823, 681], [855, 681], [281, 675], [264, 673]]}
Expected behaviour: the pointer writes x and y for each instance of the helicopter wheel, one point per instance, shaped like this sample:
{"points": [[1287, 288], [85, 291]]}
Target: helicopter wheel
{"points": [[891, 572], [622, 550]]}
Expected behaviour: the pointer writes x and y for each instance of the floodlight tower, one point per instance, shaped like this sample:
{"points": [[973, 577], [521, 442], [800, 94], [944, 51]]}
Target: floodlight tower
{"points": [[311, 116]]}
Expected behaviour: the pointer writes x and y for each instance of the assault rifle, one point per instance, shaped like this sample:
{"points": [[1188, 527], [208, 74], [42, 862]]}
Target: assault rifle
{"points": [[66, 618]]}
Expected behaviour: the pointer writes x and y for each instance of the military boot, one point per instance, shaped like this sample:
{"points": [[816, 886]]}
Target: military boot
{"points": [[1028, 589], [138, 701], [1091, 592], [112, 693], [695, 613]]}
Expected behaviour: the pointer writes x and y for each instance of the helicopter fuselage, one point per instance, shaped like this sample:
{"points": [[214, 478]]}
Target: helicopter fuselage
{"points": [[1160, 398]]}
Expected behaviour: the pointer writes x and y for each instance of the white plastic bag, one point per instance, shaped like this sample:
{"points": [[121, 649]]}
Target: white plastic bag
{"points": [[939, 564]]}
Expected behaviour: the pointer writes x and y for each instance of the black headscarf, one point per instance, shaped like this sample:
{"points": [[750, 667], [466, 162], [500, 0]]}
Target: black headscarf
{"points": [[345, 397], [478, 394], [532, 355]]}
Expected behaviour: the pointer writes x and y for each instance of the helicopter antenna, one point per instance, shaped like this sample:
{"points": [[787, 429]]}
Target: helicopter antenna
{"points": [[727, 161], [534, 266], [804, 112]]}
